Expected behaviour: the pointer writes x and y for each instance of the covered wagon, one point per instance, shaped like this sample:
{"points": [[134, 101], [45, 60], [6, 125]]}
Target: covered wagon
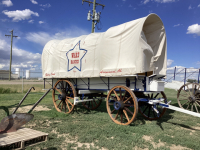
{"points": [[126, 64]]}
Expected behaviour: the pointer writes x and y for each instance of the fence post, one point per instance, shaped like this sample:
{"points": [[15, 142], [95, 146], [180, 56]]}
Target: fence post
{"points": [[174, 72], [185, 77], [22, 80], [199, 75]]}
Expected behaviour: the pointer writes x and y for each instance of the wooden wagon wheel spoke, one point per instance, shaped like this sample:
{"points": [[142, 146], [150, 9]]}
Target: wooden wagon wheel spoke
{"points": [[121, 116], [128, 99], [120, 93], [92, 103], [156, 95], [59, 104], [192, 107], [116, 95], [188, 106], [127, 107], [113, 111], [189, 90], [197, 90], [185, 103], [186, 93], [117, 115], [62, 106], [128, 110], [66, 96], [67, 105], [182, 99], [56, 100], [126, 115], [183, 95], [147, 110], [197, 104], [58, 90], [69, 102], [196, 107], [124, 96], [95, 103]]}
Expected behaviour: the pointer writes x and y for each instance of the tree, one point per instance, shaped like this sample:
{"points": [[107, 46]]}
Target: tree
{"points": [[191, 80]]}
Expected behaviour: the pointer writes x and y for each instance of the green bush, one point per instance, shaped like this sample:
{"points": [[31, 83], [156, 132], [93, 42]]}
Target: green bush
{"points": [[7, 90]]}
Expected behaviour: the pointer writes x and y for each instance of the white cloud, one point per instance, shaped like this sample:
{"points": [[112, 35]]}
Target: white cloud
{"points": [[169, 62], [41, 22], [177, 25], [21, 58], [43, 37], [130, 5], [159, 1], [34, 2], [20, 14], [199, 5], [198, 62], [150, 11], [164, 1], [194, 29], [146, 1], [8, 3], [46, 5], [30, 21], [190, 7], [123, 0], [3, 20]]}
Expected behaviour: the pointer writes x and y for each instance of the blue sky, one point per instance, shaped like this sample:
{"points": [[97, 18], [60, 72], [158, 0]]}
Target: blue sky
{"points": [[38, 21]]}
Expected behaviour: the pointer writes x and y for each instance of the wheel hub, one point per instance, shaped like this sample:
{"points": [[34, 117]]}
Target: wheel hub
{"points": [[118, 105], [192, 99], [62, 96]]}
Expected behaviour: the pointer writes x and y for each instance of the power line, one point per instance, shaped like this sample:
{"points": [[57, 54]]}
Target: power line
{"points": [[11, 51]]}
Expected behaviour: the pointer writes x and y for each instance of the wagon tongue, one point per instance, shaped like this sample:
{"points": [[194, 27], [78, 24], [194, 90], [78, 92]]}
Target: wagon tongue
{"points": [[13, 122]]}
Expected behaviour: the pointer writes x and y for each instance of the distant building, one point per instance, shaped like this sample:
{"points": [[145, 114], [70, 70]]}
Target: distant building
{"points": [[4, 75]]}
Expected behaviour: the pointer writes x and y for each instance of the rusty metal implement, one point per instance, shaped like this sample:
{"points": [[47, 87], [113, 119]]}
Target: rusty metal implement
{"points": [[14, 121]]}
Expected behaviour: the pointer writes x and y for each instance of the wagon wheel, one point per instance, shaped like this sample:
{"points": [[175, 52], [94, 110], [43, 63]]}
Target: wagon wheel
{"points": [[92, 105], [63, 96], [122, 105], [188, 97], [147, 110]]}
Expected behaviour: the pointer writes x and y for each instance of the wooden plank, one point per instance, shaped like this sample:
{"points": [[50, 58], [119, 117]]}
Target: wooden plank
{"points": [[22, 136]]}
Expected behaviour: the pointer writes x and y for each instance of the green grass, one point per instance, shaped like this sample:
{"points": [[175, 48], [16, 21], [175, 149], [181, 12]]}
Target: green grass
{"points": [[96, 127]]}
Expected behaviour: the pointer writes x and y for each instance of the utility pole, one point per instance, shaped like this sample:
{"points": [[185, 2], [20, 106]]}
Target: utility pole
{"points": [[11, 52], [95, 16]]}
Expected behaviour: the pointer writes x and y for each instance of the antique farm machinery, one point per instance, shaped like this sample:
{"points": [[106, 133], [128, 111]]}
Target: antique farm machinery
{"points": [[125, 65]]}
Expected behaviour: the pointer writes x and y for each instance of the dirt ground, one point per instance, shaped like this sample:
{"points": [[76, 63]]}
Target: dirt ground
{"points": [[20, 82]]}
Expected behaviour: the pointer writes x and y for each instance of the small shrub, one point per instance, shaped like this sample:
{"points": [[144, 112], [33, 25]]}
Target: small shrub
{"points": [[6, 90]]}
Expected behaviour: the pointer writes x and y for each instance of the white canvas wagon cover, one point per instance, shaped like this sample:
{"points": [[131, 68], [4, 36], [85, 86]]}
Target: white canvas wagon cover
{"points": [[131, 48]]}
